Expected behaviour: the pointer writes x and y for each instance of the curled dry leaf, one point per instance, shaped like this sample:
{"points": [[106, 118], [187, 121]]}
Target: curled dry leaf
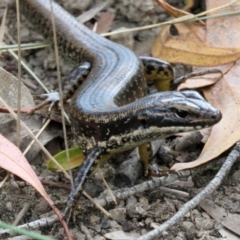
{"points": [[175, 12], [199, 82], [171, 10], [12, 160]]}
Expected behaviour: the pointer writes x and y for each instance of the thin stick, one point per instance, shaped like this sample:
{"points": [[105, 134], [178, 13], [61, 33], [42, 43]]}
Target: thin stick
{"points": [[106, 184], [96, 204], [210, 188]]}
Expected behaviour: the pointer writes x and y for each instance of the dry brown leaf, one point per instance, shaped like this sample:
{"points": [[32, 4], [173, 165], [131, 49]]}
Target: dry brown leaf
{"points": [[187, 49], [91, 13], [226, 234], [225, 218], [205, 133], [192, 45], [172, 10], [182, 156], [225, 94], [12, 160], [105, 22], [198, 82], [189, 4], [185, 29]]}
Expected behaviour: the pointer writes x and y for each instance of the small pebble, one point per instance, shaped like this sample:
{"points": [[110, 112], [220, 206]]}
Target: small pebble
{"points": [[105, 223], [21, 184], [41, 207], [181, 235], [24, 33], [118, 214], [178, 238], [115, 226], [94, 219], [191, 234], [187, 215], [80, 236], [165, 234], [131, 201], [144, 201], [127, 226], [143, 231], [195, 213], [218, 226], [9, 206], [205, 215], [236, 177], [187, 226], [148, 221], [204, 224], [199, 234], [98, 237]]}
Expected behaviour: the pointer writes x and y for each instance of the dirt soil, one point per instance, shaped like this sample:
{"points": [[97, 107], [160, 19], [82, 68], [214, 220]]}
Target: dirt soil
{"points": [[141, 212]]}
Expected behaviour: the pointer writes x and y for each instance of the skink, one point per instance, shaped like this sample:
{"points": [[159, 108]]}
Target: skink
{"points": [[111, 111]]}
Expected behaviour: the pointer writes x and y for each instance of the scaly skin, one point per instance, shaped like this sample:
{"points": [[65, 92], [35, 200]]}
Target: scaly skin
{"points": [[110, 111]]}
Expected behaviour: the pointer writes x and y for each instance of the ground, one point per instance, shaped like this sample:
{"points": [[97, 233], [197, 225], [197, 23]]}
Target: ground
{"points": [[139, 213]]}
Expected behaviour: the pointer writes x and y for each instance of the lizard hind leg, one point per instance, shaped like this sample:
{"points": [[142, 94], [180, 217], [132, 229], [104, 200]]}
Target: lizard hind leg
{"points": [[90, 161]]}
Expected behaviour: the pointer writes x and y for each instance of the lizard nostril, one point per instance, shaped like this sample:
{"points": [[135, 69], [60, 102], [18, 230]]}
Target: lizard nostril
{"points": [[217, 116]]}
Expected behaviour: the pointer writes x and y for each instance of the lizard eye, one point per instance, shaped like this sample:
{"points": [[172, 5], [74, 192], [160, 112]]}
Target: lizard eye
{"points": [[181, 113]]}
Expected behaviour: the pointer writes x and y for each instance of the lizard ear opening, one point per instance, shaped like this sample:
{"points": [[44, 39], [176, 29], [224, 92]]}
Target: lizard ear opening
{"points": [[144, 120], [144, 123]]}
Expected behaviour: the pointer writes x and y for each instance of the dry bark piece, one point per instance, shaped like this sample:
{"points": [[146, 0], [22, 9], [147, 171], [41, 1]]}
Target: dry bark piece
{"points": [[129, 171]]}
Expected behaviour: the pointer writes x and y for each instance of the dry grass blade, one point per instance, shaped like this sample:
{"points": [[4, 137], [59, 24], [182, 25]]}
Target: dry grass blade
{"points": [[188, 18], [60, 89]]}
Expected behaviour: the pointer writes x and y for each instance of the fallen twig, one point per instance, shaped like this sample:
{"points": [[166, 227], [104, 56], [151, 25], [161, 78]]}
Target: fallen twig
{"points": [[212, 186]]}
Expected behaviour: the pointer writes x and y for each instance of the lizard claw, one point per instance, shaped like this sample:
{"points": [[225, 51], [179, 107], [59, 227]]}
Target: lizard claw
{"points": [[48, 98], [69, 212]]}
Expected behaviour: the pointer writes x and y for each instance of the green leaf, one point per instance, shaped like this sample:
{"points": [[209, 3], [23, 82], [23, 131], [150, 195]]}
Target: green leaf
{"points": [[76, 158]]}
